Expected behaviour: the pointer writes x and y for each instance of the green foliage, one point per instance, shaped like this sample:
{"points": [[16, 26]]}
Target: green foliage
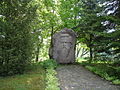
{"points": [[27, 25], [16, 47], [50, 63], [52, 81], [94, 26], [117, 81], [117, 63], [33, 79], [108, 72]]}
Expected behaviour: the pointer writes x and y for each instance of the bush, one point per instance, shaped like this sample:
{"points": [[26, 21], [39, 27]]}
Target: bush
{"points": [[52, 81], [106, 71], [50, 63], [16, 47], [117, 62]]}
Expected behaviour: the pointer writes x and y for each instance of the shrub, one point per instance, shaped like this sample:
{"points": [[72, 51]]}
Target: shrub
{"points": [[52, 81], [106, 71], [50, 63], [16, 47]]}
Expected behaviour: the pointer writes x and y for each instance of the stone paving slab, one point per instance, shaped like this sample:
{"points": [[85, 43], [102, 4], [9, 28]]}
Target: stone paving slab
{"points": [[76, 77]]}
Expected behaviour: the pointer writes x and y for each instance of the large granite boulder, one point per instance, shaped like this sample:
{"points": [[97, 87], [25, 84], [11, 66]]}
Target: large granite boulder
{"points": [[63, 46]]}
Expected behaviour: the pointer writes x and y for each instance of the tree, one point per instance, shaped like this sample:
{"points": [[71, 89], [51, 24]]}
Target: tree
{"points": [[16, 43], [110, 40]]}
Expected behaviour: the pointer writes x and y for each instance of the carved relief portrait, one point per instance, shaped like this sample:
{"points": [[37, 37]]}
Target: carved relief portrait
{"points": [[64, 46]]}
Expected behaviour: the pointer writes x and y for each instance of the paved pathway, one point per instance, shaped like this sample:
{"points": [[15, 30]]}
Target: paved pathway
{"points": [[75, 77]]}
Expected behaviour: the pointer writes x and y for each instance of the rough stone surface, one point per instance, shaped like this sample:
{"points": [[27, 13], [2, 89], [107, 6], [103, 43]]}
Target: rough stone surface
{"points": [[63, 46], [75, 77]]}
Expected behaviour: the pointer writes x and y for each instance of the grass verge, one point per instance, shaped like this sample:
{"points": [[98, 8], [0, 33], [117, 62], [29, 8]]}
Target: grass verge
{"points": [[34, 79], [51, 79], [107, 71]]}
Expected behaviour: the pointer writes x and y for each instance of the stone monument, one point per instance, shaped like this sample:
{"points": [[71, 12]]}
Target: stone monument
{"points": [[63, 46]]}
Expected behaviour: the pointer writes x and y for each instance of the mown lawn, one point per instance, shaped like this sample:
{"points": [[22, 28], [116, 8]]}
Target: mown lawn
{"points": [[32, 80]]}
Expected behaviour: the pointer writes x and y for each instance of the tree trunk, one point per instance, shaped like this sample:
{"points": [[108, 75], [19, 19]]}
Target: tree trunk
{"points": [[50, 52], [78, 51], [38, 50], [84, 51], [37, 53], [91, 51], [91, 55]]}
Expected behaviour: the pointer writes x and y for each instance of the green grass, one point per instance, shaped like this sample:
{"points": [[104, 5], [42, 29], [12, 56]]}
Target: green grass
{"points": [[107, 71], [34, 79], [51, 79]]}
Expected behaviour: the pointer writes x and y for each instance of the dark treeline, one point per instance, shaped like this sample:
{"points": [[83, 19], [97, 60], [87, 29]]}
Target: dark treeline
{"points": [[24, 24], [16, 44], [99, 28]]}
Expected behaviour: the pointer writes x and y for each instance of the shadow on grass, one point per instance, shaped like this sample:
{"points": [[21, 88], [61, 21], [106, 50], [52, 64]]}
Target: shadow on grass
{"points": [[34, 79]]}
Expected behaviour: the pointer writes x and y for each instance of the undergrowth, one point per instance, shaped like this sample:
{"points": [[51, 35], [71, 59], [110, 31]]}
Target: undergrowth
{"points": [[107, 71], [33, 79], [51, 79]]}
